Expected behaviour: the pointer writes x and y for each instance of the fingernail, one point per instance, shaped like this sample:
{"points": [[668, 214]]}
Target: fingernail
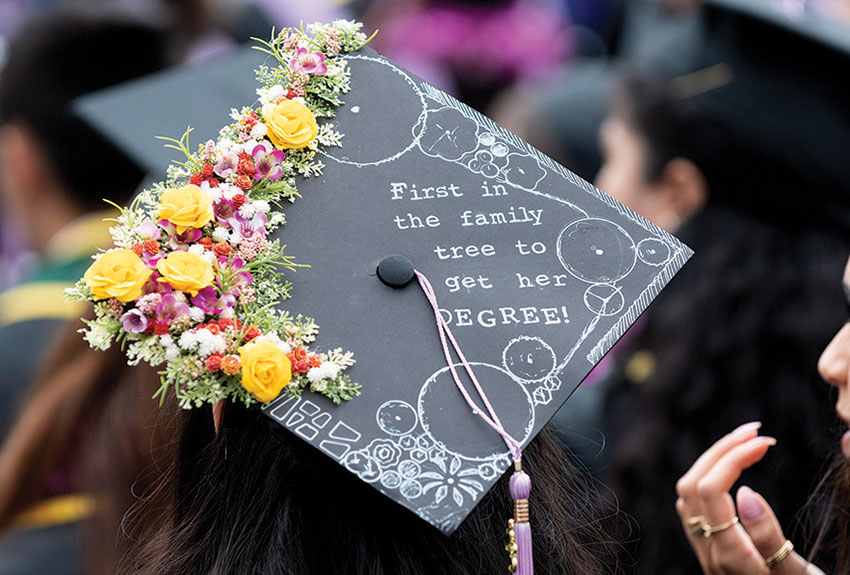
{"points": [[764, 439], [749, 505], [746, 428]]}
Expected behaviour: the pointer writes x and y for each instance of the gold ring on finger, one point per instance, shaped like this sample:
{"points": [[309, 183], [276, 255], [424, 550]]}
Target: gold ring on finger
{"points": [[696, 525], [781, 554], [709, 530]]}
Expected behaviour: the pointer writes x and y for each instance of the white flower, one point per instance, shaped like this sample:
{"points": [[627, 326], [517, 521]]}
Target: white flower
{"points": [[220, 234], [227, 313], [179, 295], [166, 340], [275, 339], [214, 193], [328, 370], [225, 146], [98, 337], [247, 211], [229, 190], [346, 27], [235, 238], [197, 314], [189, 339], [209, 343], [259, 131], [171, 353], [261, 206], [197, 249], [271, 94], [209, 256]]}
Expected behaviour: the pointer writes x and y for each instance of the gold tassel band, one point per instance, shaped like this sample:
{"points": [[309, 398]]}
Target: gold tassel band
{"points": [[521, 514]]}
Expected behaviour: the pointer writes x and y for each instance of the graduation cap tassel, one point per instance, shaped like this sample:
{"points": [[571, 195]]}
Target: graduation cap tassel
{"points": [[520, 484], [520, 491]]}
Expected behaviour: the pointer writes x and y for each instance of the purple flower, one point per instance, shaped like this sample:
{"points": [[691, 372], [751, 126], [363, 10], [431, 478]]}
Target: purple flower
{"points": [[208, 300], [249, 228], [267, 164], [309, 62], [154, 286], [170, 309], [227, 165], [224, 210], [134, 321], [180, 241]]}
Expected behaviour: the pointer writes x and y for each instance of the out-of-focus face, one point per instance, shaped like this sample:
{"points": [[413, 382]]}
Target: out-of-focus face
{"points": [[623, 175], [624, 155], [834, 367]]}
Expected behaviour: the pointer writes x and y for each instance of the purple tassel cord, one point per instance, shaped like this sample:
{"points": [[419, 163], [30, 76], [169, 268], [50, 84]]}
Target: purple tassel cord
{"points": [[520, 491], [519, 529]]}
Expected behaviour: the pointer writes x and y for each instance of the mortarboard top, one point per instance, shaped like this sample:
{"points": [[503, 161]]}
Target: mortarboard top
{"points": [[537, 272]]}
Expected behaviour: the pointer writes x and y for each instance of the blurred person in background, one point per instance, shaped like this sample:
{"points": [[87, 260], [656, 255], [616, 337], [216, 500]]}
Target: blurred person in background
{"points": [[55, 172], [562, 113], [745, 160], [473, 49]]}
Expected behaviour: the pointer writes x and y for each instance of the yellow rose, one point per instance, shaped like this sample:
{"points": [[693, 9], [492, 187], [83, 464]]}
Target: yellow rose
{"points": [[185, 272], [265, 369], [290, 124], [186, 207], [119, 274]]}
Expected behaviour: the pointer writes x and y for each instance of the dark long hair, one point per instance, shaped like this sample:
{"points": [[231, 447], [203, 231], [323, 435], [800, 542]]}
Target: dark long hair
{"points": [[735, 338], [255, 500]]}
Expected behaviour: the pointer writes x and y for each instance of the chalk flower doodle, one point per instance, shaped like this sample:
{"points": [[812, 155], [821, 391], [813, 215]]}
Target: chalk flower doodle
{"points": [[385, 452], [452, 480], [193, 280]]}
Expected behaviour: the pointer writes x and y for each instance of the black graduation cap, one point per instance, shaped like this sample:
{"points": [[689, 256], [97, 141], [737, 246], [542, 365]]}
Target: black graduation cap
{"points": [[778, 67], [537, 273]]}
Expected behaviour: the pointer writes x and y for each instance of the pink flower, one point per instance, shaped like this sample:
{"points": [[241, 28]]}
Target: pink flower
{"points": [[228, 164], [179, 241], [170, 309], [267, 163], [224, 210], [208, 300], [309, 62], [148, 230], [147, 303], [249, 228]]}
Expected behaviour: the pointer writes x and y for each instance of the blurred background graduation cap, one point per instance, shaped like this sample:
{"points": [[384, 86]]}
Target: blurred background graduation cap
{"points": [[536, 271], [777, 69]]}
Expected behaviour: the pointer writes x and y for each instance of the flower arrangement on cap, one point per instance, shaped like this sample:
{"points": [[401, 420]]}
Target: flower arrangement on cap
{"points": [[193, 281]]}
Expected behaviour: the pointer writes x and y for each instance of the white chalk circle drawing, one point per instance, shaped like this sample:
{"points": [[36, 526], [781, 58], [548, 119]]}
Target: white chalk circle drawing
{"points": [[654, 252], [396, 417], [445, 418], [529, 359], [483, 163], [523, 171], [448, 134], [604, 299], [385, 131], [596, 251]]}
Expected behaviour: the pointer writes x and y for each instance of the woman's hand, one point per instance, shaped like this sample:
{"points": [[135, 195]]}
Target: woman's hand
{"points": [[723, 543]]}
